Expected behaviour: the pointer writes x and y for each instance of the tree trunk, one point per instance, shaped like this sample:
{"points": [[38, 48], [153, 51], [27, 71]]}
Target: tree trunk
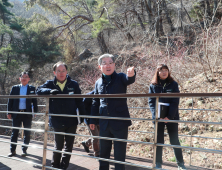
{"points": [[159, 22], [215, 6], [180, 15], [2, 38], [129, 37], [140, 20], [102, 43], [167, 15], [149, 12], [208, 8]]}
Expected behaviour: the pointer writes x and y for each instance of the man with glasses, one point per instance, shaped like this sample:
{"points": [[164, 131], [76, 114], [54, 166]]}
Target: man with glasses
{"points": [[62, 84], [112, 83], [21, 105]]}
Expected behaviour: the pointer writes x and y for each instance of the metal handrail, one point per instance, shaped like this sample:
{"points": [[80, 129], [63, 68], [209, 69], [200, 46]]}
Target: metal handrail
{"points": [[154, 95], [32, 146], [21, 160]]}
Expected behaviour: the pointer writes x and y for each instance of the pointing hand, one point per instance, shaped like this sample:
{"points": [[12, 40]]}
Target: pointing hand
{"points": [[130, 72]]}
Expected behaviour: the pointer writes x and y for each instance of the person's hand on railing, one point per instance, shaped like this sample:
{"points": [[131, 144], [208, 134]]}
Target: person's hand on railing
{"points": [[9, 116], [54, 91], [92, 126]]}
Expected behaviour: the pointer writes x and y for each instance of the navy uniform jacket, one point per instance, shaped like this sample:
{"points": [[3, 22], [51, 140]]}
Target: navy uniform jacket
{"points": [[88, 105], [174, 102], [63, 105], [113, 107], [13, 104]]}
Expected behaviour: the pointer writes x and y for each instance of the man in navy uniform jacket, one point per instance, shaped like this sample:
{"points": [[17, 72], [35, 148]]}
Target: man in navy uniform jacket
{"points": [[62, 84], [112, 83], [91, 141], [21, 105]]}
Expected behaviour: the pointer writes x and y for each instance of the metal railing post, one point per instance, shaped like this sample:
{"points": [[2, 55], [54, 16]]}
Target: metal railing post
{"points": [[45, 134], [155, 132], [191, 132]]}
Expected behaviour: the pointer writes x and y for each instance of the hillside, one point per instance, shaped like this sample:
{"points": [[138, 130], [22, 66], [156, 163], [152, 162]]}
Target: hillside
{"points": [[86, 74], [192, 50]]}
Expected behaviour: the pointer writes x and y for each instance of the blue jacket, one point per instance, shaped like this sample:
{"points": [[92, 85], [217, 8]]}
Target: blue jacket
{"points": [[63, 105], [174, 102], [13, 104], [113, 107], [88, 105]]}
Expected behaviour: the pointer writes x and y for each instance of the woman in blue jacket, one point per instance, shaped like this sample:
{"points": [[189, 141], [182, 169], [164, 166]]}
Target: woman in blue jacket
{"points": [[162, 82]]}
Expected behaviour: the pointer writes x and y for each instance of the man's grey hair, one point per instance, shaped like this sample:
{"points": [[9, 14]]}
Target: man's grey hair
{"points": [[24, 72], [105, 56]]}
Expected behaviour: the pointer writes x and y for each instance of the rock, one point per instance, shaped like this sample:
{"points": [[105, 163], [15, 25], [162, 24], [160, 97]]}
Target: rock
{"points": [[200, 102], [189, 102], [85, 54], [194, 131], [211, 128], [219, 129]]}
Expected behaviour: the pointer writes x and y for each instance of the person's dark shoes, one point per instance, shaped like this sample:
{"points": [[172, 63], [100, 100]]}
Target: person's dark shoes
{"points": [[24, 154], [181, 166], [158, 165], [85, 147], [12, 154]]}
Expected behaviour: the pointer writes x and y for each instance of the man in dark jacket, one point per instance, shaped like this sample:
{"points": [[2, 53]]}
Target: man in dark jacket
{"points": [[91, 141], [21, 105], [112, 83], [62, 84]]}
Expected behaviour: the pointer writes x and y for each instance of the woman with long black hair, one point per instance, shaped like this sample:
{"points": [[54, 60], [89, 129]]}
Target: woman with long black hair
{"points": [[162, 82]]}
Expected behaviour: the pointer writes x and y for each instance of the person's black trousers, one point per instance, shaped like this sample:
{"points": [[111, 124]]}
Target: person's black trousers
{"points": [[172, 129], [119, 147], [59, 143], [16, 122]]}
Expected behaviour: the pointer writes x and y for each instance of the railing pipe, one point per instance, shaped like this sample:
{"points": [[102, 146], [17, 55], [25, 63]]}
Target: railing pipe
{"points": [[191, 131], [21, 160], [32, 146], [45, 134], [155, 132], [162, 95]]}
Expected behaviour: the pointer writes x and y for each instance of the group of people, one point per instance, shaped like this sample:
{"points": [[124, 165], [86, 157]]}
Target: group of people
{"points": [[110, 82]]}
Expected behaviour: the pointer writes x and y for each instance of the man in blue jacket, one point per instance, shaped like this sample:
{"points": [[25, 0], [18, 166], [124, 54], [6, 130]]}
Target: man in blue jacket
{"points": [[112, 83], [21, 105], [62, 84]]}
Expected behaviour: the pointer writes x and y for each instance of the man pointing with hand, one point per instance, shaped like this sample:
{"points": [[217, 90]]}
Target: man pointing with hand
{"points": [[112, 83]]}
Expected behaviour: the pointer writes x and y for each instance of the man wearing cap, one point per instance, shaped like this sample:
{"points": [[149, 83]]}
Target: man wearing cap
{"points": [[21, 105]]}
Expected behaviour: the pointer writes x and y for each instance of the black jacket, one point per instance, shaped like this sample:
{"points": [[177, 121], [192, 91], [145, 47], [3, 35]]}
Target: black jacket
{"points": [[13, 104], [113, 107], [174, 102], [63, 105]]}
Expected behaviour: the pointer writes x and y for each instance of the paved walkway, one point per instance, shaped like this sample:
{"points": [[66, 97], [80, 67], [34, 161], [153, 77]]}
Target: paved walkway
{"points": [[76, 162]]}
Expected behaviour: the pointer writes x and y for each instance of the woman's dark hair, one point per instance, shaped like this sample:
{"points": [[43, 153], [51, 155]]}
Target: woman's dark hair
{"points": [[156, 77]]}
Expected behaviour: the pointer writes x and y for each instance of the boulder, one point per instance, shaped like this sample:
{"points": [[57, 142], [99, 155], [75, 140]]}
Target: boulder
{"points": [[85, 54]]}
